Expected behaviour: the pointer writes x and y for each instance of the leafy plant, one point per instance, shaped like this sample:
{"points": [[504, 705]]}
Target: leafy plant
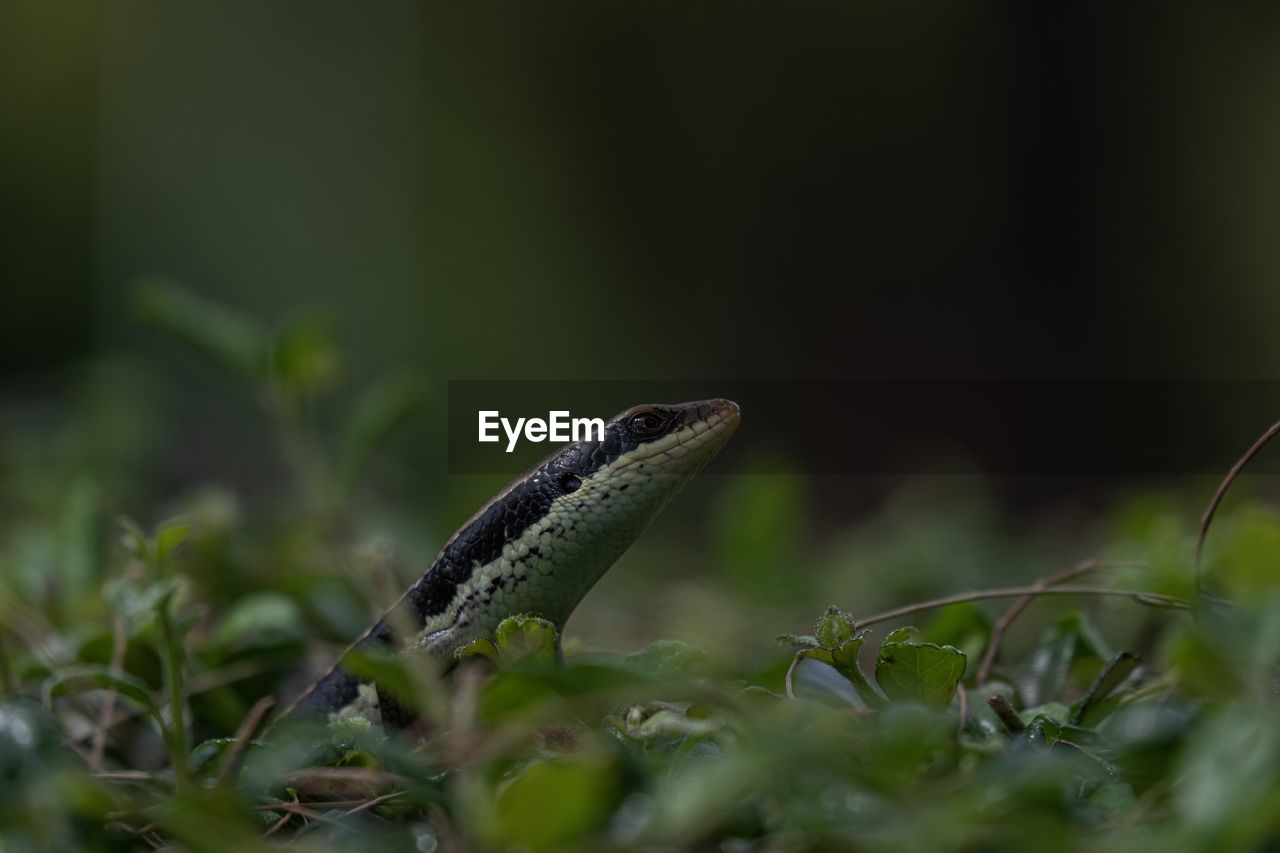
{"points": [[139, 680]]}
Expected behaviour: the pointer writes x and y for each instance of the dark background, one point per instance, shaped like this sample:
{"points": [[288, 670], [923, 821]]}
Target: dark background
{"points": [[995, 283], [602, 191]]}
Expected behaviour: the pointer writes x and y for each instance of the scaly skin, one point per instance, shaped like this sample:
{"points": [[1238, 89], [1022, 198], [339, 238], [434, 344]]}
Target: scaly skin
{"points": [[539, 545]]}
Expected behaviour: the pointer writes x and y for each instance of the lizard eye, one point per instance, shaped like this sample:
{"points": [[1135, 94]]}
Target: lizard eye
{"points": [[646, 424], [569, 483]]}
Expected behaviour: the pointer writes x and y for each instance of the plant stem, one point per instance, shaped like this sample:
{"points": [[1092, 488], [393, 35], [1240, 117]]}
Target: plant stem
{"points": [[6, 672], [1207, 518], [1015, 610], [243, 735], [1008, 716], [1150, 599], [177, 703], [119, 644]]}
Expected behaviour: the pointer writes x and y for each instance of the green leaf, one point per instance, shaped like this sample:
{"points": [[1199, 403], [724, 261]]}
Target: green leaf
{"points": [[833, 628], [208, 757], [846, 654], [207, 753], [819, 654], [1055, 711], [1048, 669], [669, 723], [526, 638], [1061, 650], [261, 619], [376, 415], [555, 803], [1244, 549], [836, 643], [479, 647], [208, 819], [306, 358], [133, 539], [803, 641], [390, 673], [1207, 667], [86, 677], [1111, 677], [1227, 778], [667, 658], [1042, 731], [529, 689], [170, 536], [153, 551], [231, 339], [844, 659], [901, 635], [137, 603], [918, 672]]}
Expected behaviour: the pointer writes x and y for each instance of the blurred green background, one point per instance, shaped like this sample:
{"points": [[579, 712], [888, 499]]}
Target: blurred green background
{"points": [[600, 192], [345, 207], [983, 189]]}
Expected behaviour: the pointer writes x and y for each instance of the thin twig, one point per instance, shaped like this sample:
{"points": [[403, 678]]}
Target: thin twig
{"points": [[315, 804], [1110, 769], [1150, 599], [1007, 715], [1015, 610], [150, 837], [124, 776], [7, 683], [119, 643], [247, 727], [795, 661], [278, 825], [1207, 518], [303, 811], [376, 801]]}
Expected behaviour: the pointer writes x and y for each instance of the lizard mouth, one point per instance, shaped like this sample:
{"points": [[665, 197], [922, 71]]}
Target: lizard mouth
{"points": [[708, 426]]}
